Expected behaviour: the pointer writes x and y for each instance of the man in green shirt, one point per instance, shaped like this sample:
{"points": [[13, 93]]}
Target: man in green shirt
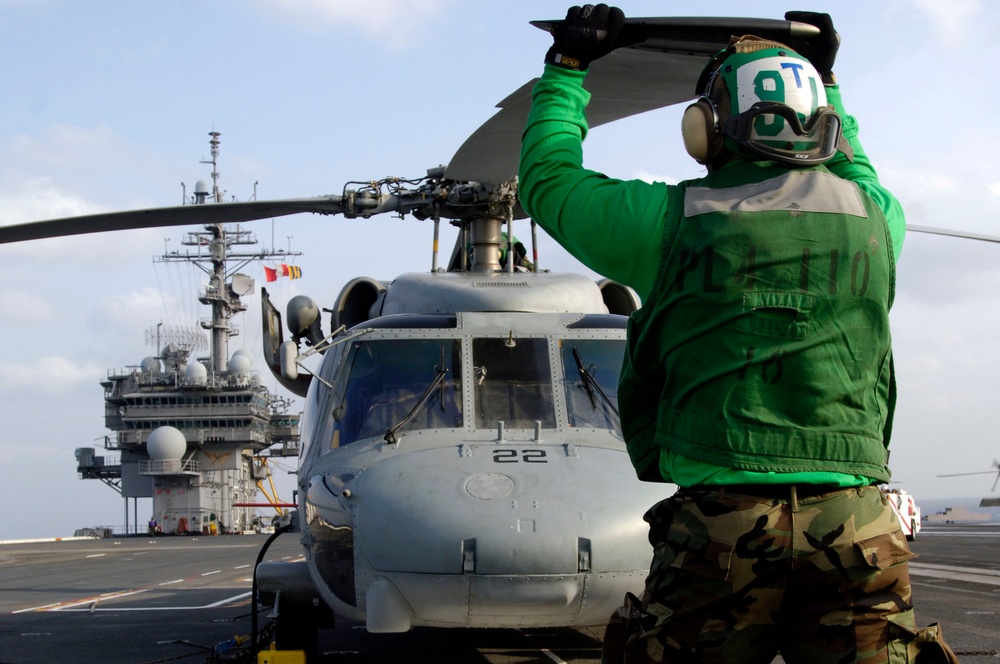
{"points": [[758, 373]]}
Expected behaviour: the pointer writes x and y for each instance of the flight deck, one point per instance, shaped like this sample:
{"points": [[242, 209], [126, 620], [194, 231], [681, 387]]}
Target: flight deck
{"points": [[147, 600]]}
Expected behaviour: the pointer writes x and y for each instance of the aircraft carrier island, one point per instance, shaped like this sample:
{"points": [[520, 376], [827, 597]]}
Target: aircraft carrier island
{"points": [[195, 435]]}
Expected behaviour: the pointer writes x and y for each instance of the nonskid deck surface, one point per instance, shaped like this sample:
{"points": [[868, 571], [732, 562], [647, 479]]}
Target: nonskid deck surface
{"points": [[140, 600]]}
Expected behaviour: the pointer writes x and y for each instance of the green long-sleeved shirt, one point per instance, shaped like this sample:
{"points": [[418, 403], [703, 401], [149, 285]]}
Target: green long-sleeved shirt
{"points": [[617, 227]]}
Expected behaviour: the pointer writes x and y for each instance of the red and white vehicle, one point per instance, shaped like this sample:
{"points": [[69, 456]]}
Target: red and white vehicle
{"points": [[907, 511]]}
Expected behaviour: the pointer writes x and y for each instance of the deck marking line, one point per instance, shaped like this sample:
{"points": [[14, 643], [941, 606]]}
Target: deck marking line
{"points": [[957, 568], [223, 602], [545, 651], [970, 574], [92, 601], [35, 608], [213, 605]]}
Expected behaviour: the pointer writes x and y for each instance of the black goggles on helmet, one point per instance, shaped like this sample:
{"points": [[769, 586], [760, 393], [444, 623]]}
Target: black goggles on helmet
{"points": [[775, 130]]}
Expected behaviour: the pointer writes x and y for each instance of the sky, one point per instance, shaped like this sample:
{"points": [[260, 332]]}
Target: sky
{"points": [[106, 106]]}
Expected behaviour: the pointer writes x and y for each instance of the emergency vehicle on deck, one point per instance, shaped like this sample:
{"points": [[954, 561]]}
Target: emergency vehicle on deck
{"points": [[907, 511]]}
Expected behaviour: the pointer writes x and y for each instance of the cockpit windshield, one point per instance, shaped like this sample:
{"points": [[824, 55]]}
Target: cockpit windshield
{"points": [[384, 382], [592, 400], [390, 386], [513, 382]]}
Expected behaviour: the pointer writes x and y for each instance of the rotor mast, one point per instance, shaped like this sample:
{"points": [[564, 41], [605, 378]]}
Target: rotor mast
{"points": [[485, 232]]}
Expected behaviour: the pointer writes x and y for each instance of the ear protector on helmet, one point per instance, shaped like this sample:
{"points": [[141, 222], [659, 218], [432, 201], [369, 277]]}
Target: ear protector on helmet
{"points": [[701, 130], [701, 126]]}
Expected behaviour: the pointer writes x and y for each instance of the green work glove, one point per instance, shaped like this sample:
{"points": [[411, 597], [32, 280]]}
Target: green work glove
{"points": [[588, 33], [822, 50]]}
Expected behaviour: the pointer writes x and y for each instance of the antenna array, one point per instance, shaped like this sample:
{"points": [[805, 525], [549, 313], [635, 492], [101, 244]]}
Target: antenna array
{"points": [[185, 338]]}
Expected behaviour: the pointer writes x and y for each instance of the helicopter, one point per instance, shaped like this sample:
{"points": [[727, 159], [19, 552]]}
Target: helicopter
{"points": [[462, 464]]}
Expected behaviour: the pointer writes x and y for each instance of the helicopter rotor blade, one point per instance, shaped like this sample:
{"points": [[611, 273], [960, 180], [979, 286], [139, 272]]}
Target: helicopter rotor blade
{"points": [[945, 231], [186, 215], [979, 472], [660, 67], [995, 465]]}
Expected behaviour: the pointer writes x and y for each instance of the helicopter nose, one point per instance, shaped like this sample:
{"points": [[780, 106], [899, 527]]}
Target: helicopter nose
{"points": [[532, 512], [497, 535]]}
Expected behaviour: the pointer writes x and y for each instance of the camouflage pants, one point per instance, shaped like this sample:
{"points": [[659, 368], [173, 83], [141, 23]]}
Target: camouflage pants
{"points": [[736, 578]]}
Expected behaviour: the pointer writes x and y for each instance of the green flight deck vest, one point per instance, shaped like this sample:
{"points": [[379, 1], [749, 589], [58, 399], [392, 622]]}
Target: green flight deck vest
{"points": [[765, 345]]}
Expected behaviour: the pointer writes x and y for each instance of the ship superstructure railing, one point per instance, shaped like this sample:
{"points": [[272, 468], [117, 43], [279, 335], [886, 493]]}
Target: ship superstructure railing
{"points": [[168, 467]]}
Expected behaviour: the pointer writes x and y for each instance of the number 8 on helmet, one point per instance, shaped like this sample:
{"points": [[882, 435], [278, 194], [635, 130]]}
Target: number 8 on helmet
{"points": [[760, 99]]}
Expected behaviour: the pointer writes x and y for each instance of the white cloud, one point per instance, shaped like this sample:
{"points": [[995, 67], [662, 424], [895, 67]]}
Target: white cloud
{"points": [[953, 20], [960, 199], [22, 307], [32, 452], [646, 176], [126, 317], [36, 198], [135, 304], [922, 181], [66, 169], [951, 23], [49, 374], [66, 146]]}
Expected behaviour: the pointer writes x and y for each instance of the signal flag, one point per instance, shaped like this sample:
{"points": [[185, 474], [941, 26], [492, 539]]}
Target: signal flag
{"points": [[290, 271]]}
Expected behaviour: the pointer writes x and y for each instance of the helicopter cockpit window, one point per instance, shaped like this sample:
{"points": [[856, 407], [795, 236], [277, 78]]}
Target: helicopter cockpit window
{"points": [[385, 381], [591, 400], [513, 383]]}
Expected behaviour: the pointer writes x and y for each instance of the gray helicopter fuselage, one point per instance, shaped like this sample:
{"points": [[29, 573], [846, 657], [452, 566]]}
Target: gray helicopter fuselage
{"points": [[530, 292], [458, 469]]}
